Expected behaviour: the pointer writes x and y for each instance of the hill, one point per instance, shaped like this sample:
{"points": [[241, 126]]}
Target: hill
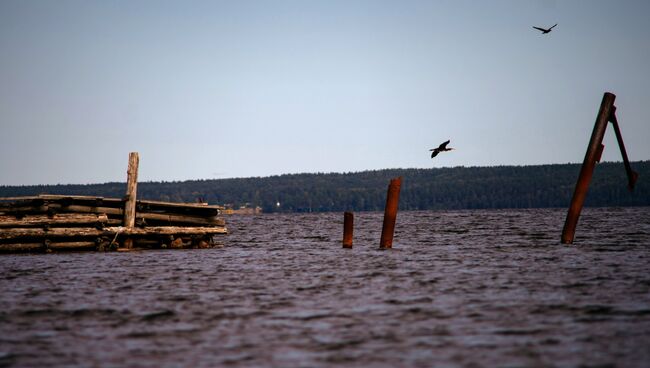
{"points": [[422, 189]]}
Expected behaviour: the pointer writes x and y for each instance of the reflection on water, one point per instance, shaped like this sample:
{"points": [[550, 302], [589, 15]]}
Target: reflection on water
{"points": [[461, 288]]}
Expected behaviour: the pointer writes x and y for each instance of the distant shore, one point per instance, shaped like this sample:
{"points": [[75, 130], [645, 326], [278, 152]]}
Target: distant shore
{"points": [[535, 186]]}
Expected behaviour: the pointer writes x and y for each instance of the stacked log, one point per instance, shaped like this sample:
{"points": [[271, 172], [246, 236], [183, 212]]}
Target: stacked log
{"points": [[60, 222]]}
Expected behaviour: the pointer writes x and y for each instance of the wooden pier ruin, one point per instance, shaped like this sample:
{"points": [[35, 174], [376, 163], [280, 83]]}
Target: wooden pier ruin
{"points": [[45, 222]]}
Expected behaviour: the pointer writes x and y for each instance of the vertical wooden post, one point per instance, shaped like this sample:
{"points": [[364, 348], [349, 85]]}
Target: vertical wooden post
{"points": [[348, 228], [131, 191], [390, 213], [586, 172]]}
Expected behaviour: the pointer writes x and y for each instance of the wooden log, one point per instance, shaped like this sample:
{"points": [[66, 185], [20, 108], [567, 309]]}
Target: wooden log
{"points": [[31, 247], [170, 230], [196, 206], [53, 233], [87, 209], [62, 201], [56, 197], [26, 209], [72, 245], [89, 201], [182, 219], [24, 202], [16, 202], [64, 219], [13, 199], [22, 247], [117, 202], [171, 218], [190, 209]]}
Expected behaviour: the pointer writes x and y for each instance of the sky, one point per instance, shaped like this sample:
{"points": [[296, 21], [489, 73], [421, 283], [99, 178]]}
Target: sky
{"points": [[223, 89]]}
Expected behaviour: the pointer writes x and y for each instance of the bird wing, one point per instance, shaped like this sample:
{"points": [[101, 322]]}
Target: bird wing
{"points": [[553, 26], [541, 29], [443, 145], [434, 153]]}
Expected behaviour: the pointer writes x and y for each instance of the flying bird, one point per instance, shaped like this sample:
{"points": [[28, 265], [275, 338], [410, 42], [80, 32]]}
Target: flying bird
{"points": [[441, 148], [544, 31]]}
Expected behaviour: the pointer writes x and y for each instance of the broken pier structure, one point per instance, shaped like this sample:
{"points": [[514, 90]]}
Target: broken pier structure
{"points": [[69, 222]]}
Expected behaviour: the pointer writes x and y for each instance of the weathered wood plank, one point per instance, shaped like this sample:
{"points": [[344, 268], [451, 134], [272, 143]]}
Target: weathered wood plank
{"points": [[53, 233], [63, 219], [131, 190]]}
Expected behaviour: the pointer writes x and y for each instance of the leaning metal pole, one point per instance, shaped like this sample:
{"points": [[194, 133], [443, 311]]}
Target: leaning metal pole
{"points": [[594, 152], [632, 176]]}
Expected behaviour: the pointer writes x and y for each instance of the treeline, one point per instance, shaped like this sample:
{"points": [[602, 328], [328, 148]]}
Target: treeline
{"points": [[422, 189]]}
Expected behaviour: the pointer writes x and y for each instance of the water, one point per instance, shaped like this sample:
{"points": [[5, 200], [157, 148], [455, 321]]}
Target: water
{"points": [[459, 289]]}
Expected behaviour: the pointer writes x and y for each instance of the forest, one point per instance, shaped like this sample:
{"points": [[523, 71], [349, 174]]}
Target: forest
{"points": [[534, 186]]}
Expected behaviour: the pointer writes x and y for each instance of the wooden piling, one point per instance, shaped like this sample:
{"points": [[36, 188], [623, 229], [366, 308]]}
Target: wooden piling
{"points": [[586, 172], [131, 191], [390, 213], [348, 229]]}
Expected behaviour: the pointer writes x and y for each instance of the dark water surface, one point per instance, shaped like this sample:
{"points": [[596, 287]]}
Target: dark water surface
{"points": [[459, 289]]}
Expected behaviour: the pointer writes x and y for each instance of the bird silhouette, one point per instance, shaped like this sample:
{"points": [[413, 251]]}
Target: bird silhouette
{"points": [[544, 31], [441, 148]]}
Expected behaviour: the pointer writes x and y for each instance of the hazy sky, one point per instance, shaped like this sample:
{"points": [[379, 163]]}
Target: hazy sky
{"points": [[217, 89]]}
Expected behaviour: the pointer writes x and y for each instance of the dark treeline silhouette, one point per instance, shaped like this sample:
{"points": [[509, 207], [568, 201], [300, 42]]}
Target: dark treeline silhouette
{"points": [[422, 189]]}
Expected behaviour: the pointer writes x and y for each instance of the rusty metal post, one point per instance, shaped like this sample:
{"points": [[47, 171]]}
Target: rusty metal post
{"points": [[131, 190], [348, 228], [390, 213], [594, 150], [632, 175]]}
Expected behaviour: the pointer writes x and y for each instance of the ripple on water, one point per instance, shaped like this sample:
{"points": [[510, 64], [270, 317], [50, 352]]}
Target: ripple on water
{"points": [[460, 288]]}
